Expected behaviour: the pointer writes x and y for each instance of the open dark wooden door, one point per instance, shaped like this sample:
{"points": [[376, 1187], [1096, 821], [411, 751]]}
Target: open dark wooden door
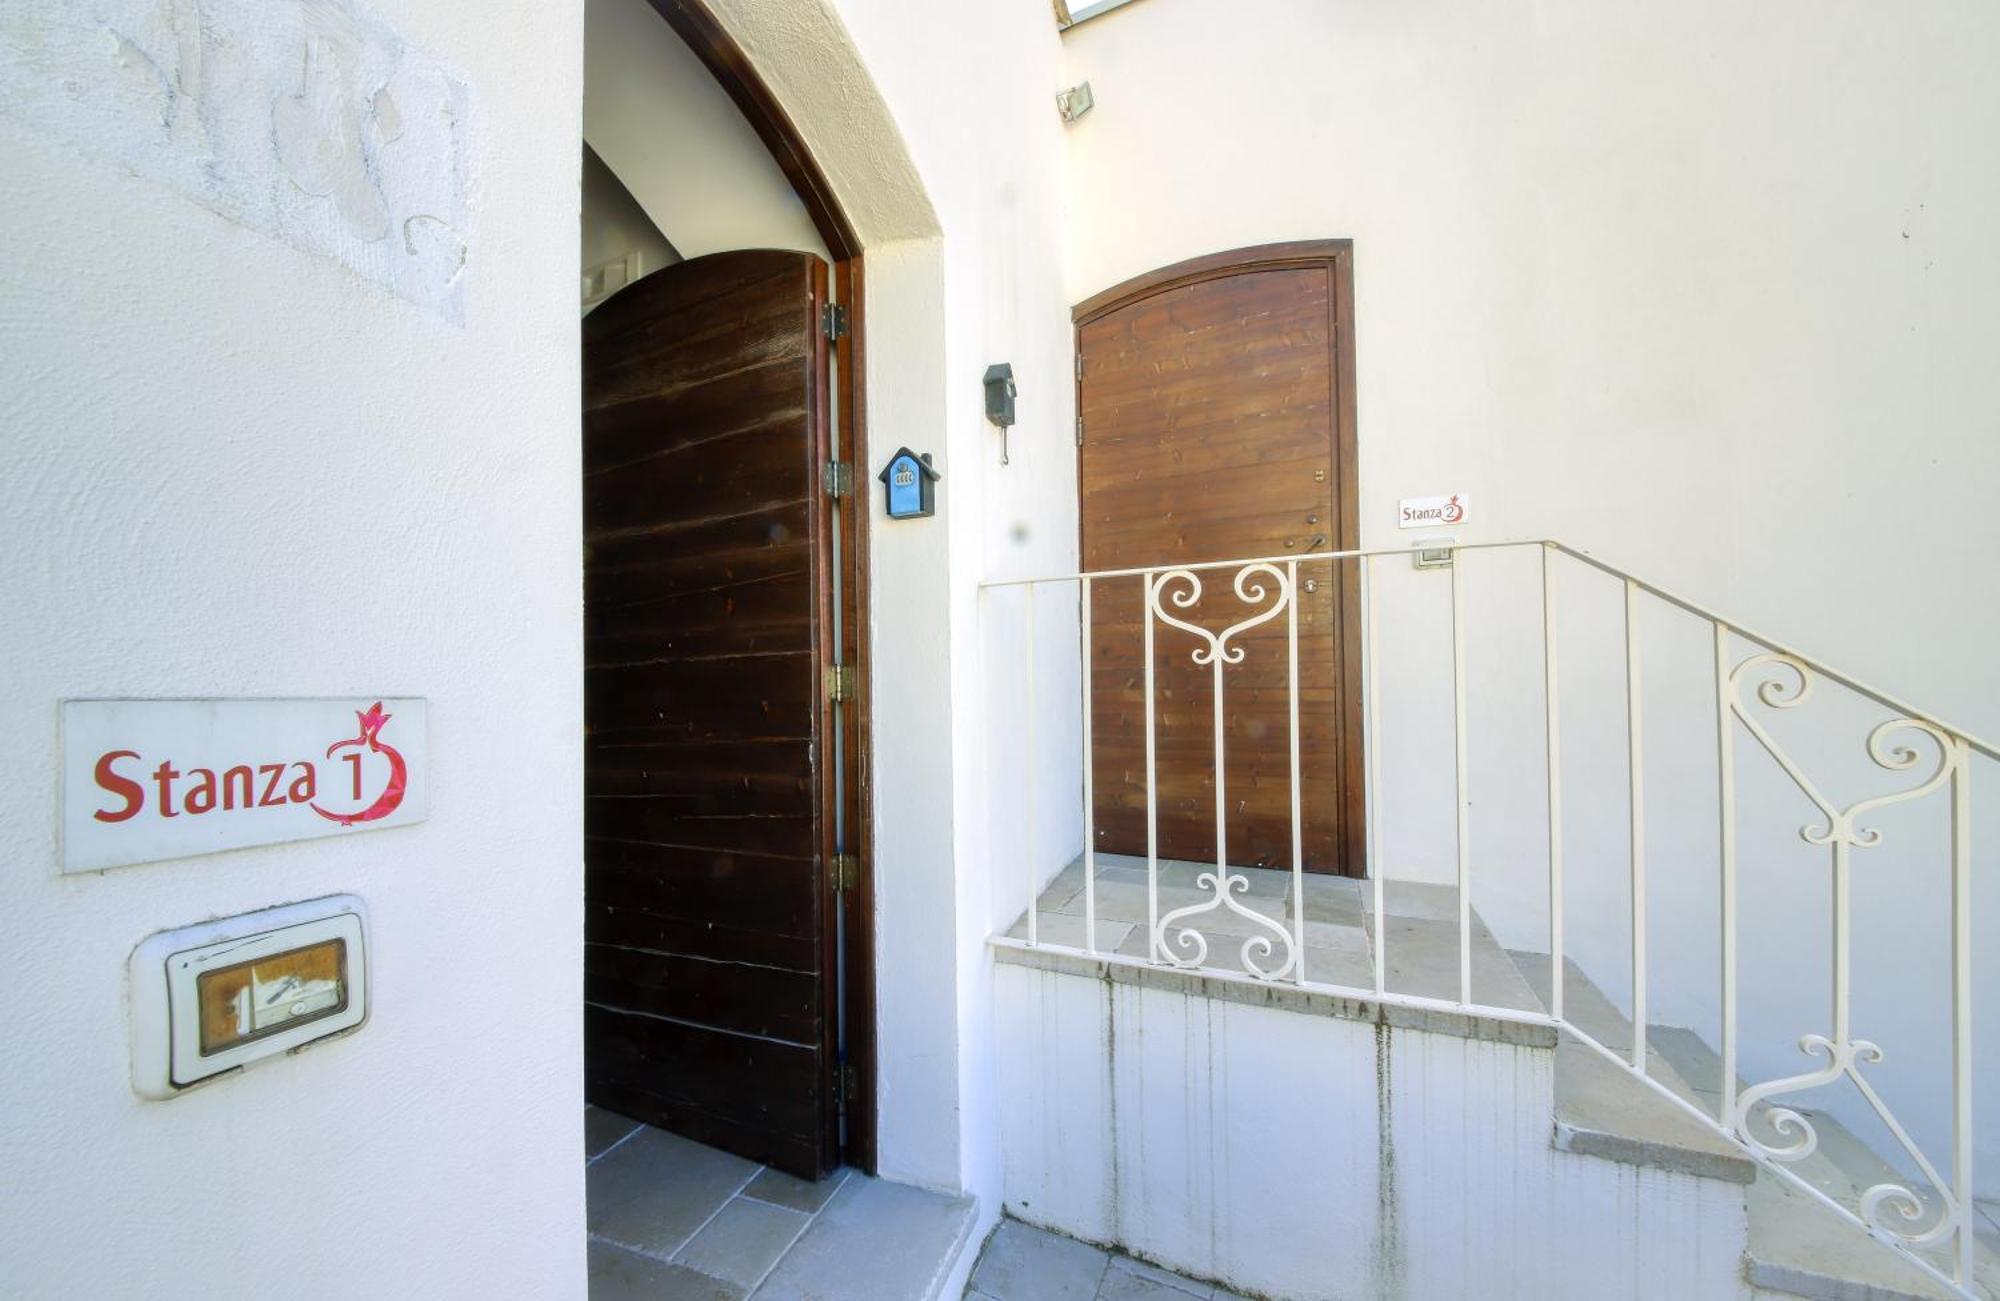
{"points": [[709, 965], [1217, 408]]}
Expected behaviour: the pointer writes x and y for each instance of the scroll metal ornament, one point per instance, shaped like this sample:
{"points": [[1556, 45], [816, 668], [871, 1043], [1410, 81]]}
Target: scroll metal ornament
{"points": [[1188, 947], [1898, 745]]}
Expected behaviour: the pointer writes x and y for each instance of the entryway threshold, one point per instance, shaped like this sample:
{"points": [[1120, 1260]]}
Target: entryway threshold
{"points": [[674, 1220]]}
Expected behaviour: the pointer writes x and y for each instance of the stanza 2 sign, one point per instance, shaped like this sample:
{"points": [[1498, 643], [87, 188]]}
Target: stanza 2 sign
{"points": [[145, 780]]}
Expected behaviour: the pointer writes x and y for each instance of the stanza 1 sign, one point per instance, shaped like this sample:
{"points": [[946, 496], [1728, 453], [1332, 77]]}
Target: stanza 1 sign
{"points": [[145, 780]]}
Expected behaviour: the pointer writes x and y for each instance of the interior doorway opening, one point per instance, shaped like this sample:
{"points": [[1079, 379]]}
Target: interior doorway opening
{"points": [[728, 983]]}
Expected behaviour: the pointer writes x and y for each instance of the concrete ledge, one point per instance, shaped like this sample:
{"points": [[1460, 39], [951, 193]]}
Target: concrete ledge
{"points": [[1304, 1000], [1604, 1111]]}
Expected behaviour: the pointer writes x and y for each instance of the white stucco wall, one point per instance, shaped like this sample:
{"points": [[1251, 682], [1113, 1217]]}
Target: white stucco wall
{"points": [[971, 93], [1303, 1155], [937, 132], [244, 464], [1703, 289], [996, 158], [677, 141]]}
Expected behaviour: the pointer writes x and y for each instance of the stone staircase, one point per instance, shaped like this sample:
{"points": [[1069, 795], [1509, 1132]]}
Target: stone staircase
{"points": [[1795, 1246]]}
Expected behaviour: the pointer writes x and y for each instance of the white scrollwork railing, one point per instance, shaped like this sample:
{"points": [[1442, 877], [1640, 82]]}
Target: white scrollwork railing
{"points": [[1787, 683], [1174, 934], [1928, 1219]]}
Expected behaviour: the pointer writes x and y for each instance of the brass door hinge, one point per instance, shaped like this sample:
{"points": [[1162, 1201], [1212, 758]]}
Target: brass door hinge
{"points": [[839, 682], [839, 479], [846, 872]]}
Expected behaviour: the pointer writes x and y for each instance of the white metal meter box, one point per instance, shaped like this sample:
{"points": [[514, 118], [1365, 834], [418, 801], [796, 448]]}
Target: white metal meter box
{"points": [[212, 998]]}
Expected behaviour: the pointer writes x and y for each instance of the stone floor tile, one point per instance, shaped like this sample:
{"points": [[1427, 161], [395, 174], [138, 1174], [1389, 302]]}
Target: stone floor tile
{"points": [[1023, 1263], [620, 1275], [1338, 937], [1124, 1285], [781, 1189], [656, 1189], [1064, 886], [1335, 899], [1184, 1287], [875, 1241], [602, 1129], [1340, 967], [743, 1241], [1180, 874], [1420, 901], [1066, 929], [1423, 960]]}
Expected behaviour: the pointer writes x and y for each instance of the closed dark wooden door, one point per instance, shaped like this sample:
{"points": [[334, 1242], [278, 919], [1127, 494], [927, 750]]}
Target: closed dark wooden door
{"points": [[708, 964], [1216, 400]]}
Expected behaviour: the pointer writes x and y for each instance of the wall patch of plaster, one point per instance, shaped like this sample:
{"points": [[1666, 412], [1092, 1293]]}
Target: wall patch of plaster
{"points": [[310, 120]]}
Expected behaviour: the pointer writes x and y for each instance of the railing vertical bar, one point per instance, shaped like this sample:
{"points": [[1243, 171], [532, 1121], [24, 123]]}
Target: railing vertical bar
{"points": [[1372, 731], [1031, 768], [1725, 768], [1636, 774], [1298, 838], [1089, 800], [1552, 724], [1152, 782], [1961, 1008], [1464, 796], [1222, 874]]}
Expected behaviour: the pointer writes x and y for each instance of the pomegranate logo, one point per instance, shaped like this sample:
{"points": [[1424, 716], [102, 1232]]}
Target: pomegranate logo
{"points": [[373, 719], [1453, 511]]}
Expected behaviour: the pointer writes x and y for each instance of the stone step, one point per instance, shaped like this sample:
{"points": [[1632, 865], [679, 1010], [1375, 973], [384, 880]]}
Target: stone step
{"points": [[1603, 1110], [1796, 1246]]}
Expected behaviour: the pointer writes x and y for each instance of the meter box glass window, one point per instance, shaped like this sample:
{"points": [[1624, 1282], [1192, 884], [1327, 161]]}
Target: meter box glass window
{"points": [[250, 1000], [213, 998]]}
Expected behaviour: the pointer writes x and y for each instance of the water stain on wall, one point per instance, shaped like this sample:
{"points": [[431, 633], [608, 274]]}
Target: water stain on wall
{"points": [[310, 120]]}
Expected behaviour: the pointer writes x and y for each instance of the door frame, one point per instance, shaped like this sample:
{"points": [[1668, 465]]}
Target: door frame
{"points": [[699, 29], [1337, 256]]}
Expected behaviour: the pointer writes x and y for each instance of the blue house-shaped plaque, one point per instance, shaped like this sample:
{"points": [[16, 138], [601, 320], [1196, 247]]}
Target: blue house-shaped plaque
{"points": [[907, 484]]}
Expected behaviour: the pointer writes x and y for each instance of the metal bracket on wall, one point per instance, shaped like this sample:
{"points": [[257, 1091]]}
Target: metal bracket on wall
{"points": [[1075, 102]]}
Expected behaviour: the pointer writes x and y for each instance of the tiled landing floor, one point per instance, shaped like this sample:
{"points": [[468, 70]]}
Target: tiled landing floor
{"points": [[672, 1220], [1418, 930], [1026, 1264]]}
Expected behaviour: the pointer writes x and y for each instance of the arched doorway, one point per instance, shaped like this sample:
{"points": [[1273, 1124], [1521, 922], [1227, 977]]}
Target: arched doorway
{"points": [[728, 953]]}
